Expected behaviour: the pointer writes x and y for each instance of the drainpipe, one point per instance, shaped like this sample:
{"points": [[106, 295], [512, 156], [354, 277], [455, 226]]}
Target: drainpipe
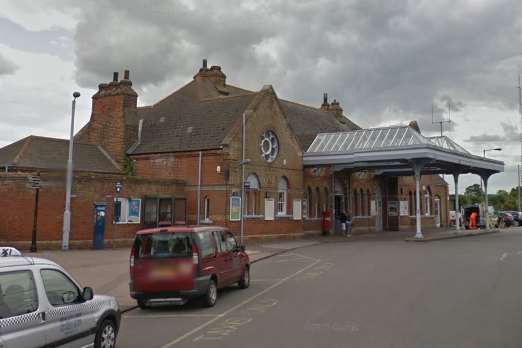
{"points": [[199, 188]]}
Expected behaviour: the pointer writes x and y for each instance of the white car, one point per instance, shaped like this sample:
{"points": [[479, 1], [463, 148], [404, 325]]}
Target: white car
{"points": [[41, 305]]}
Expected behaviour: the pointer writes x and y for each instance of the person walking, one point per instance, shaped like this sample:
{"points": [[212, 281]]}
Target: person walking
{"points": [[346, 224]]}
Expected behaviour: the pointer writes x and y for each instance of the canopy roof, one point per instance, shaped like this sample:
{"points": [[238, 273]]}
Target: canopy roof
{"points": [[396, 149]]}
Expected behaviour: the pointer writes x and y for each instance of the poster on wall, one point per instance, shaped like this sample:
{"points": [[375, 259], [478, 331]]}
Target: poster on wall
{"points": [[393, 208], [134, 213], [296, 211], [269, 209], [405, 211], [235, 208]]}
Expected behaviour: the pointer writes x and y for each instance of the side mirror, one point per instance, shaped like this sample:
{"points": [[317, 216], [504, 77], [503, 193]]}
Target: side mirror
{"points": [[87, 294]]}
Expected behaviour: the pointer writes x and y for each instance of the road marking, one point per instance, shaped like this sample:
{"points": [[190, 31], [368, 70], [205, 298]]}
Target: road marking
{"points": [[161, 316], [503, 257], [260, 280], [204, 325]]}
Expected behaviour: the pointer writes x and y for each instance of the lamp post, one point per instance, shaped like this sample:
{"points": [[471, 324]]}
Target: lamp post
{"points": [[492, 149], [486, 207], [68, 187]]}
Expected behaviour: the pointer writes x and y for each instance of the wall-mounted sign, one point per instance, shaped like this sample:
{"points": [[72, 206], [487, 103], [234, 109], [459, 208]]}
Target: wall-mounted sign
{"points": [[118, 186]]}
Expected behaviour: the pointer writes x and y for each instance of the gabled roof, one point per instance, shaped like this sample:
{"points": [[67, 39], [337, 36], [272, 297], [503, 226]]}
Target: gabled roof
{"points": [[307, 122], [199, 115], [34, 152]]}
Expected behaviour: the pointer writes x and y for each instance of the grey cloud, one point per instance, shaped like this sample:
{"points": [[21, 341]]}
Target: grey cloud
{"points": [[375, 57], [509, 135], [7, 67], [55, 41]]}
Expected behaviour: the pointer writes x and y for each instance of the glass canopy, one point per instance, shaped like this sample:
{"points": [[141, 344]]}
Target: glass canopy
{"points": [[371, 139]]}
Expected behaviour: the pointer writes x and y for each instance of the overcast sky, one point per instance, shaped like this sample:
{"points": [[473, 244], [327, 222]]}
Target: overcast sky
{"points": [[387, 62]]}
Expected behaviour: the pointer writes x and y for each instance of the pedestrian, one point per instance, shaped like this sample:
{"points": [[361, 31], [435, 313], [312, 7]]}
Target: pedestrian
{"points": [[346, 223]]}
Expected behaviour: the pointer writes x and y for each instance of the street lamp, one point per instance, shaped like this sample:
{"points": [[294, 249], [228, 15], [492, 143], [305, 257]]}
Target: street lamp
{"points": [[486, 204], [67, 212], [492, 149]]}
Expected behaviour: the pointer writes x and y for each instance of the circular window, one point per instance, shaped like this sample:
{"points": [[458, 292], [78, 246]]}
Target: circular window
{"points": [[269, 146]]}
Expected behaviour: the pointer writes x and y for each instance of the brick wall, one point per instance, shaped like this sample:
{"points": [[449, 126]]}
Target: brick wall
{"points": [[17, 200]]}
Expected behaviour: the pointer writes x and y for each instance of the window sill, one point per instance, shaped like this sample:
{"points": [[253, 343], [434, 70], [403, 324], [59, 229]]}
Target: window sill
{"points": [[254, 216], [207, 222], [283, 216], [126, 223]]}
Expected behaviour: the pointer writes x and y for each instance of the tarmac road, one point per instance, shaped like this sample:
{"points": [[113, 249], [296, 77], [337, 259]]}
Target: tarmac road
{"points": [[371, 293]]}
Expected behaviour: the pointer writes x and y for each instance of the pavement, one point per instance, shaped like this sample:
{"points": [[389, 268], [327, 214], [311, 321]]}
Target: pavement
{"points": [[360, 292], [107, 271]]}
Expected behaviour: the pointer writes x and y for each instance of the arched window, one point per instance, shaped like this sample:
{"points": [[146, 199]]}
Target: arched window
{"points": [[326, 201], [282, 195], [362, 204], [355, 203], [310, 202], [252, 195], [427, 201], [206, 209], [318, 202], [369, 202], [410, 203]]}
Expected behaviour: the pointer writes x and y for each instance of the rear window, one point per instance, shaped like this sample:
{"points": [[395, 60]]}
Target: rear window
{"points": [[163, 245]]}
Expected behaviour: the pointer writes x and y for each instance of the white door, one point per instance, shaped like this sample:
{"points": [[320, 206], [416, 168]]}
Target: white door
{"points": [[70, 320], [437, 212]]}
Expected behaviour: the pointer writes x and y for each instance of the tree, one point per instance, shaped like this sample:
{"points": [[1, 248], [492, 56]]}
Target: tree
{"points": [[474, 193]]}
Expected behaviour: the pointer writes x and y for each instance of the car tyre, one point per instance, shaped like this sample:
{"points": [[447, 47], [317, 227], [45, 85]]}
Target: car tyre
{"points": [[210, 298], [244, 282], [106, 335], [141, 303]]}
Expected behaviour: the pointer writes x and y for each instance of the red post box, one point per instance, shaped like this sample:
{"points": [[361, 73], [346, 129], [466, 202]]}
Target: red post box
{"points": [[327, 221]]}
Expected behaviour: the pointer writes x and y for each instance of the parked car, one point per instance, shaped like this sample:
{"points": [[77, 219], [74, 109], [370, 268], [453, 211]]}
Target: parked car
{"points": [[42, 305], [516, 217], [505, 219], [176, 264]]}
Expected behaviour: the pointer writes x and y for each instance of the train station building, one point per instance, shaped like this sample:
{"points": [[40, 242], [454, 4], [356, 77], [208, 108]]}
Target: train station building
{"points": [[179, 161]]}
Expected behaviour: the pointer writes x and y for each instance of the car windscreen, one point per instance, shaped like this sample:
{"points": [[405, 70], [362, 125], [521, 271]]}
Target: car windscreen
{"points": [[163, 245]]}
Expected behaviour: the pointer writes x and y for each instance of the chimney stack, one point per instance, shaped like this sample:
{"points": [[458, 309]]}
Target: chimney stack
{"points": [[325, 106], [126, 75], [214, 74], [115, 76]]}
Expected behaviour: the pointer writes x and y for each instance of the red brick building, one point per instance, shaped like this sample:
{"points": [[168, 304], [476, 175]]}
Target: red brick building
{"points": [[179, 162]]}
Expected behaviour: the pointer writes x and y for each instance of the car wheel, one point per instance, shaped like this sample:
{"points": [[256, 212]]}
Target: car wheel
{"points": [[210, 298], [141, 303], [244, 282], [106, 335]]}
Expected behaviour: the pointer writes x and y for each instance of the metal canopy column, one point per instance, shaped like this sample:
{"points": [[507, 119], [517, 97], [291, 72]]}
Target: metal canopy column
{"points": [[485, 178], [417, 167], [457, 208]]}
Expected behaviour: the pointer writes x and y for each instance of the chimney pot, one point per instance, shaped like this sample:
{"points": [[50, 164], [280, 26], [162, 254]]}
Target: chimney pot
{"points": [[204, 63], [126, 75], [115, 76], [325, 98]]}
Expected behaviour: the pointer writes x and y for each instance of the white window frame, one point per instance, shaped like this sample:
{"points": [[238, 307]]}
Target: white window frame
{"points": [[281, 203], [124, 214], [427, 205], [206, 210]]}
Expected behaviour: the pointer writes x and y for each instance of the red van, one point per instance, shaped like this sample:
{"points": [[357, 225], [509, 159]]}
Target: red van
{"points": [[175, 264]]}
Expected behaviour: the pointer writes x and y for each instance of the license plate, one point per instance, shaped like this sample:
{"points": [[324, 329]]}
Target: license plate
{"points": [[163, 273]]}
